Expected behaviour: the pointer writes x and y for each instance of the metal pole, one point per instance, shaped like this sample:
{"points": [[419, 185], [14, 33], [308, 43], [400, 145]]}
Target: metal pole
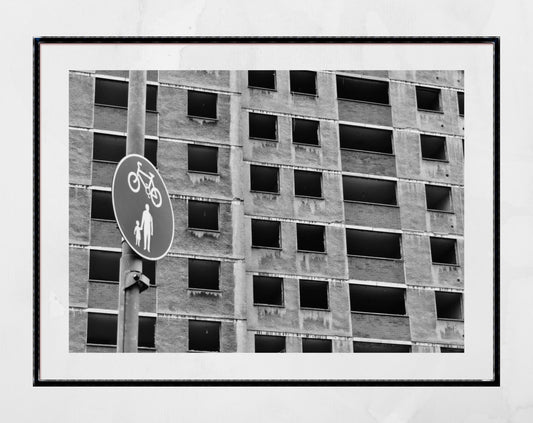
{"points": [[128, 307]]}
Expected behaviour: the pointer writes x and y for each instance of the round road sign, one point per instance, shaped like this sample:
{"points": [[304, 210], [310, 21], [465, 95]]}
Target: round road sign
{"points": [[142, 207]]}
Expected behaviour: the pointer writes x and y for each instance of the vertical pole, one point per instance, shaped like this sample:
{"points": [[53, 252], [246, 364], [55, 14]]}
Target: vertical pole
{"points": [[128, 307]]}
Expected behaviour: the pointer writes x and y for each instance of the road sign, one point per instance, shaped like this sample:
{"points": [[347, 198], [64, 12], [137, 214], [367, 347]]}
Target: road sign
{"points": [[142, 207]]}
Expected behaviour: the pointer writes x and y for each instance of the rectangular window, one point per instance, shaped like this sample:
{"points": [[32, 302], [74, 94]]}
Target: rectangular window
{"points": [[438, 198], [362, 90], [262, 126], [262, 79], [308, 184], [102, 329], [305, 131], [201, 104], [268, 290], [203, 215], [314, 294], [365, 139], [151, 98], [146, 334], [443, 251], [109, 92], [102, 205], [112, 148], [202, 159], [373, 244], [451, 350], [461, 102], [310, 238], [378, 347], [449, 305], [312, 345], [303, 82], [377, 299], [204, 274], [366, 190], [105, 266], [204, 335], [428, 99], [266, 233], [433, 148], [269, 344], [264, 179]]}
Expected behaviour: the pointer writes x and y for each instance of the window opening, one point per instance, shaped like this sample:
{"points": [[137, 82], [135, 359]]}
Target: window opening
{"points": [[377, 347], [314, 294], [433, 148], [266, 233], [308, 184], [305, 131], [204, 335], [438, 198], [262, 79], [201, 158], [310, 237], [264, 179], [365, 139], [268, 290], [204, 274], [269, 344], [102, 205], [362, 90], [369, 190], [111, 93], [201, 104], [443, 251], [112, 148], [262, 126], [303, 82], [449, 305], [312, 345], [461, 102], [451, 350], [102, 329], [377, 299], [428, 99], [203, 215], [373, 244]]}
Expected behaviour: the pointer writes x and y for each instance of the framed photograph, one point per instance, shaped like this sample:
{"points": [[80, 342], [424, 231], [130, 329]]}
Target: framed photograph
{"points": [[327, 195]]}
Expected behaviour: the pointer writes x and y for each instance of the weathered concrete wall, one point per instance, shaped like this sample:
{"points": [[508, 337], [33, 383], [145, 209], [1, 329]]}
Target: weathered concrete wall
{"points": [[372, 215], [365, 162], [417, 257], [112, 118], [420, 306], [444, 78], [104, 295], [81, 100], [363, 112], [402, 98], [412, 202], [212, 79], [79, 215], [105, 233], [171, 334], [78, 276], [80, 154], [77, 330], [375, 269], [150, 75], [442, 222], [103, 174], [380, 326], [451, 331]]}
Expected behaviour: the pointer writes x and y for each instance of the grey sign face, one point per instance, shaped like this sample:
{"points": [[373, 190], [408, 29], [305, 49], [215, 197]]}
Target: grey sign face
{"points": [[142, 207]]}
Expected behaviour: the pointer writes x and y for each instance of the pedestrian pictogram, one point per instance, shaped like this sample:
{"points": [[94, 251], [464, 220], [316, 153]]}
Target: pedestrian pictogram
{"points": [[144, 216]]}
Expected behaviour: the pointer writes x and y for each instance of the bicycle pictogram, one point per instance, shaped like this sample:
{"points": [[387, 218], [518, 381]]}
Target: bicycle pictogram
{"points": [[135, 179]]}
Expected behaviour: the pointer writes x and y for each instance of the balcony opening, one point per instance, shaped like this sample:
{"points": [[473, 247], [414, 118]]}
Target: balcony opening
{"points": [[443, 251], [268, 290], [105, 266], [461, 102], [373, 244], [202, 159], [204, 274], [377, 299], [262, 79], [314, 294], [269, 344], [312, 345], [204, 335], [438, 198], [262, 126], [266, 233], [433, 148], [102, 330], [111, 93], [366, 190], [102, 205], [428, 99], [307, 184], [112, 148], [449, 305], [202, 105], [362, 90], [451, 350], [264, 179], [305, 131], [203, 215], [377, 347], [303, 82], [365, 139], [310, 238]]}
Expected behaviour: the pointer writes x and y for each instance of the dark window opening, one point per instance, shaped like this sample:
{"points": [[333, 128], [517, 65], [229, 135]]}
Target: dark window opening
{"points": [[266, 233], [146, 332], [443, 251], [312, 345], [105, 266], [433, 148], [264, 178], [451, 350], [377, 299], [112, 148], [203, 215], [262, 126], [268, 290], [438, 198], [308, 184], [151, 98], [269, 344], [303, 82], [262, 79], [111, 93], [369, 190], [377, 347], [204, 274], [102, 329], [102, 205], [428, 99], [202, 105], [373, 244], [204, 335], [463, 145], [461, 103], [310, 237], [202, 159], [149, 270], [362, 90], [365, 139], [449, 305], [305, 131], [314, 294]]}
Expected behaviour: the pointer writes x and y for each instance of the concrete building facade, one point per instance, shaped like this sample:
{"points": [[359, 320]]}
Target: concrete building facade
{"points": [[314, 211]]}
